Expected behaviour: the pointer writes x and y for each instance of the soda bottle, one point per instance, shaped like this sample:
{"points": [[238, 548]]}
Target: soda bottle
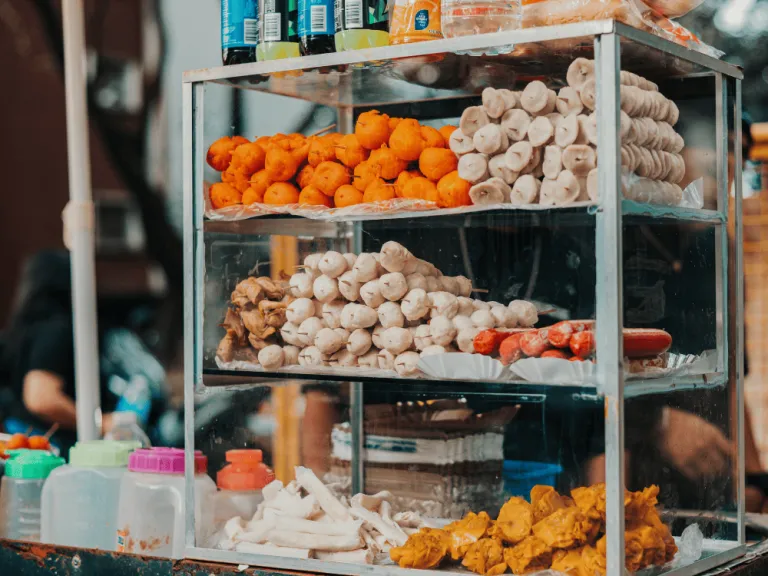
{"points": [[239, 31], [361, 24], [316, 27], [278, 36]]}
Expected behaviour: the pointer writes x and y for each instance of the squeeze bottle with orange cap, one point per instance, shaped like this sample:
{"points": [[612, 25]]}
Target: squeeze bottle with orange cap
{"points": [[240, 483]]}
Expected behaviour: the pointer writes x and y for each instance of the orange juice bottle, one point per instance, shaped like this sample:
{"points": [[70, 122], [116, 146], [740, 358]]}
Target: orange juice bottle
{"points": [[415, 21]]}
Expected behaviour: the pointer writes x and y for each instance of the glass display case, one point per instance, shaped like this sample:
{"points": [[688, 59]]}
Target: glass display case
{"points": [[472, 385]]}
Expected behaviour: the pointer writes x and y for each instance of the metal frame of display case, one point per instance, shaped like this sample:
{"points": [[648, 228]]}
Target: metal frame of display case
{"points": [[609, 39]]}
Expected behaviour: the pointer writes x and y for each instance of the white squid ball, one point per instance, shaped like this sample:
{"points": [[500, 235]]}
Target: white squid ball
{"points": [[464, 284], [483, 319], [390, 315], [366, 268], [416, 280], [309, 329], [449, 284], [433, 284], [348, 286], [465, 339], [442, 330], [393, 286], [370, 359], [354, 316], [443, 304], [376, 336], [271, 357], [325, 288], [406, 364], [311, 356], [343, 334], [299, 310], [290, 355], [433, 350], [312, 263], [318, 309], [426, 269], [290, 333], [343, 358], [393, 256], [332, 313], [386, 360], [359, 342], [327, 341], [421, 337], [351, 259], [301, 285], [462, 322], [333, 264], [525, 313], [370, 292], [416, 304], [480, 305], [466, 306], [503, 317], [396, 340]]}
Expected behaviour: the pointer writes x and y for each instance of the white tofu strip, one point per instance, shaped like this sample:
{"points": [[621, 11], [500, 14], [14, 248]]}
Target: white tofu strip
{"points": [[312, 484], [371, 503], [256, 532], [272, 489], [233, 527], [361, 556], [408, 519], [271, 550], [294, 505], [392, 533], [316, 541], [312, 527]]}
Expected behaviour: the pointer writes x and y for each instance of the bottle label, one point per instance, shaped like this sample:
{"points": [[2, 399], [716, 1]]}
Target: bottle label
{"points": [[272, 27], [361, 14], [316, 17], [239, 23], [353, 14]]}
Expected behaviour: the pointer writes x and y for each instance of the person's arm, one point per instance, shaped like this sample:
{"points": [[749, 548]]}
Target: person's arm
{"points": [[43, 395]]}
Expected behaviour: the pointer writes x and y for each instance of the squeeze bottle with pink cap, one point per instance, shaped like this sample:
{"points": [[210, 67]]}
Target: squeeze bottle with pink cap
{"points": [[240, 483], [151, 511]]}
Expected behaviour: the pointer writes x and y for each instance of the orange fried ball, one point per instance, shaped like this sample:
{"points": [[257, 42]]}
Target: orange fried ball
{"points": [[379, 191], [223, 194], [280, 164], [420, 188], [259, 184], [435, 163], [350, 152], [365, 173], [281, 193], [406, 140], [329, 176], [304, 177], [301, 153], [432, 137], [372, 129], [237, 177], [453, 191], [347, 195], [446, 131], [263, 141], [403, 179], [312, 196], [248, 157], [322, 148], [390, 165], [39, 443], [220, 153], [393, 122]]}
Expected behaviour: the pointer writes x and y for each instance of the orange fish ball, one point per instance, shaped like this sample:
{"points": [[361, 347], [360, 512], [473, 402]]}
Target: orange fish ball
{"points": [[365, 173], [406, 140], [372, 129], [312, 196], [281, 193], [432, 138], [379, 191], [237, 177], [259, 184], [390, 165], [249, 157], [263, 141], [419, 188], [435, 163], [350, 152], [304, 177], [223, 194], [393, 122], [280, 164], [329, 176], [453, 191], [321, 149], [220, 153], [446, 131], [347, 195]]}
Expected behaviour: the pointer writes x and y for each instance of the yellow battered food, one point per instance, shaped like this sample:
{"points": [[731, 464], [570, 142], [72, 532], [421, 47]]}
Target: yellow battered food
{"points": [[425, 549], [486, 556], [530, 555], [515, 521], [467, 531]]}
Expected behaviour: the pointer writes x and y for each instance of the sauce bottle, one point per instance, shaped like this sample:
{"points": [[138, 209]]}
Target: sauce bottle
{"points": [[316, 27], [277, 38], [239, 31], [361, 24]]}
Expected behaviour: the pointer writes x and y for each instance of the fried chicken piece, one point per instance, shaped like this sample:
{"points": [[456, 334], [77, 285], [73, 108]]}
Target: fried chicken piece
{"points": [[514, 522], [569, 562], [274, 312], [259, 343], [545, 501], [424, 549], [566, 528], [643, 547], [652, 519], [593, 558], [486, 556], [467, 531], [528, 556], [232, 321], [591, 501], [637, 504], [254, 290], [227, 346]]}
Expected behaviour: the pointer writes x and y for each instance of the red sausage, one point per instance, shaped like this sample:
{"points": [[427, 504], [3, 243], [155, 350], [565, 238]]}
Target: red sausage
{"points": [[534, 343], [509, 350], [487, 341], [562, 354], [583, 344], [560, 334], [644, 342]]}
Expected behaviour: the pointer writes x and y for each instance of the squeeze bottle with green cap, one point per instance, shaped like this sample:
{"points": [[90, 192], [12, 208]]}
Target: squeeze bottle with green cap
{"points": [[240, 483], [20, 491], [80, 500]]}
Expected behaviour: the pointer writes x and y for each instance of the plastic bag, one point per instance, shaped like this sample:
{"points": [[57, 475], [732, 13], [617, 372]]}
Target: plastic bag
{"points": [[415, 21]]}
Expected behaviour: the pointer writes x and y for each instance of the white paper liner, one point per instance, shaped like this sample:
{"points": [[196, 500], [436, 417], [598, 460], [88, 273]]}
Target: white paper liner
{"points": [[320, 370], [463, 366]]}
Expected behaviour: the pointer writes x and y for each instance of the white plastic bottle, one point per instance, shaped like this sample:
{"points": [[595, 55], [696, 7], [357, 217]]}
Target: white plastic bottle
{"points": [[150, 518], [20, 491], [240, 484], [79, 501], [125, 428]]}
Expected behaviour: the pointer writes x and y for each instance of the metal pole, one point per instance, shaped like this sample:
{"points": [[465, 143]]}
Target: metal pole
{"points": [[78, 225]]}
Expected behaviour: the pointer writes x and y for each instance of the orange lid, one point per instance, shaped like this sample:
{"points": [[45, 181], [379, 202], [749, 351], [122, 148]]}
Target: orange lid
{"points": [[245, 471]]}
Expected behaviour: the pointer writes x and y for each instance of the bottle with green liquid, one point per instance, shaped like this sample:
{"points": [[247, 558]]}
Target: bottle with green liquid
{"points": [[361, 24], [278, 36]]}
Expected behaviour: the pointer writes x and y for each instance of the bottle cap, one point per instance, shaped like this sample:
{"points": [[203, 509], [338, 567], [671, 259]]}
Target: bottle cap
{"points": [[31, 464], [245, 472], [102, 453], [164, 461]]}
